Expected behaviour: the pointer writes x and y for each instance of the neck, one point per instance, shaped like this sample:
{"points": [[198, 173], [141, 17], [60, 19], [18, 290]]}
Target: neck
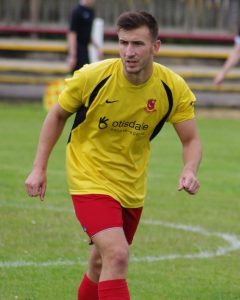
{"points": [[138, 78]]}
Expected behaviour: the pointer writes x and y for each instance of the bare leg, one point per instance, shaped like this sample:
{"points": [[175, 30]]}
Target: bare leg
{"points": [[94, 264], [113, 247]]}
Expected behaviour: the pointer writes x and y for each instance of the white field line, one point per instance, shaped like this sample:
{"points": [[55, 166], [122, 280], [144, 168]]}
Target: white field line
{"points": [[232, 241], [20, 170], [57, 263], [40, 206]]}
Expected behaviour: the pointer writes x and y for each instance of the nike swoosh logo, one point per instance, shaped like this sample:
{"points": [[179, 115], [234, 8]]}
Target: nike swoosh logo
{"points": [[111, 101]]}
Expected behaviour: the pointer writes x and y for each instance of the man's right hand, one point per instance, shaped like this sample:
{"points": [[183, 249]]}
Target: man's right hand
{"points": [[218, 79], [36, 184]]}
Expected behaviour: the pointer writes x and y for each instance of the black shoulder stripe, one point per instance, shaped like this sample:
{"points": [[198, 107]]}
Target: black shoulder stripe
{"points": [[163, 120], [81, 113], [97, 89]]}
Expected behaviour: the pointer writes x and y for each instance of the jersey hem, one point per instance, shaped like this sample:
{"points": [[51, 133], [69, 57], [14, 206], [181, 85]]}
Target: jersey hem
{"points": [[123, 204]]}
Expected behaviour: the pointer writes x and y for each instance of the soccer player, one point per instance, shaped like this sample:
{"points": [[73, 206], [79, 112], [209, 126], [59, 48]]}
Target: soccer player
{"points": [[120, 105], [231, 61]]}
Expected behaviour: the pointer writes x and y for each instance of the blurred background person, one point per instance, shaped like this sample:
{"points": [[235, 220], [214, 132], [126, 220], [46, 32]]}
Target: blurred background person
{"points": [[230, 62], [80, 34]]}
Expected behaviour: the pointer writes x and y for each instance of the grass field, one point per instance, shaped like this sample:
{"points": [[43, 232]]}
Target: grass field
{"points": [[186, 248]]}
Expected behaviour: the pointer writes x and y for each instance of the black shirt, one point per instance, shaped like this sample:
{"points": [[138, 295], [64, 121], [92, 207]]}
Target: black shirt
{"points": [[81, 22]]}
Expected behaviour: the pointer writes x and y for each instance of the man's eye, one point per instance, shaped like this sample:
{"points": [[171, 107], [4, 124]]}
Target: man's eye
{"points": [[138, 43], [123, 42]]}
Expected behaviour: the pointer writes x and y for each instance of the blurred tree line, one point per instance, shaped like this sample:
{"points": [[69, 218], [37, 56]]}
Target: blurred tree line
{"points": [[178, 15]]}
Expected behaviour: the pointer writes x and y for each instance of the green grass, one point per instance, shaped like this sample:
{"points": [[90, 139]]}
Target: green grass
{"points": [[43, 233]]}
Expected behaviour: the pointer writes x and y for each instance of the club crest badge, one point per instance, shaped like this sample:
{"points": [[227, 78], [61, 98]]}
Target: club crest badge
{"points": [[150, 106]]}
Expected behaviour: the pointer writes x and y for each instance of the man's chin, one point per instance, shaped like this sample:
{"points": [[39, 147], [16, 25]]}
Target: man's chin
{"points": [[132, 70]]}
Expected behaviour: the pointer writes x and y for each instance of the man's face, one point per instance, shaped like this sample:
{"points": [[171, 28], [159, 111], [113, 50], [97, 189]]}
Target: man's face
{"points": [[136, 49], [89, 3]]}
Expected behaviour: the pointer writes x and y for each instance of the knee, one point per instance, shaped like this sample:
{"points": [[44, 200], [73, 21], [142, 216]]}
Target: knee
{"points": [[117, 257], [94, 269], [95, 266]]}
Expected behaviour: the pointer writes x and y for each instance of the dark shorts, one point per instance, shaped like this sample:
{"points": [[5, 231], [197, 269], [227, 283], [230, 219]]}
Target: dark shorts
{"points": [[100, 212]]}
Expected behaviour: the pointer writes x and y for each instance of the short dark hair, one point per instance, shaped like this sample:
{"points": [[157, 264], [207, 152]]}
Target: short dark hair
{"points": [[133, 20]]}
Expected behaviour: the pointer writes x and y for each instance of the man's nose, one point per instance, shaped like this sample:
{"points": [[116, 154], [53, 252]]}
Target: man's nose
{"points": [[130, 50]]}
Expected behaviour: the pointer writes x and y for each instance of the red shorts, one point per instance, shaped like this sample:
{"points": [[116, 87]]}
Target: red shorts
{"points": [[100, 212]]}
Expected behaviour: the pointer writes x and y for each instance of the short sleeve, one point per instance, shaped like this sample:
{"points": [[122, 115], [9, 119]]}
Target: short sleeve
{"points": [[70, 98], [185, 99], [74, 20]]}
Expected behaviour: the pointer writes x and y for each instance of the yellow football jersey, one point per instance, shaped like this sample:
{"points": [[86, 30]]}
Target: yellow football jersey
{"points": [[109, 144]]}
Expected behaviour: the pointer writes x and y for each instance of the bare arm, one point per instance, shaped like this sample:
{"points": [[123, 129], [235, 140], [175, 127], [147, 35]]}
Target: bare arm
{"points": [[72, 49], [192, 154], [50, 133], [231, 61]]}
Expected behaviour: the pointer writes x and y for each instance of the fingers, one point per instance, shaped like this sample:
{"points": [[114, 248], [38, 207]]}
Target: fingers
{"points": [[190, 185], [36, 184], [36, 190], [42, 192], [218, 79], [217, 82]]}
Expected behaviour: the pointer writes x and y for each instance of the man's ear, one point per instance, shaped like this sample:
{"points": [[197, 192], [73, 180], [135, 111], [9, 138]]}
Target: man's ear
{"points": [[156, 46]]}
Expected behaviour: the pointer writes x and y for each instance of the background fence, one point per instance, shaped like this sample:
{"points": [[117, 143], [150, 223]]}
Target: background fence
{"points": [[178, 15]]}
